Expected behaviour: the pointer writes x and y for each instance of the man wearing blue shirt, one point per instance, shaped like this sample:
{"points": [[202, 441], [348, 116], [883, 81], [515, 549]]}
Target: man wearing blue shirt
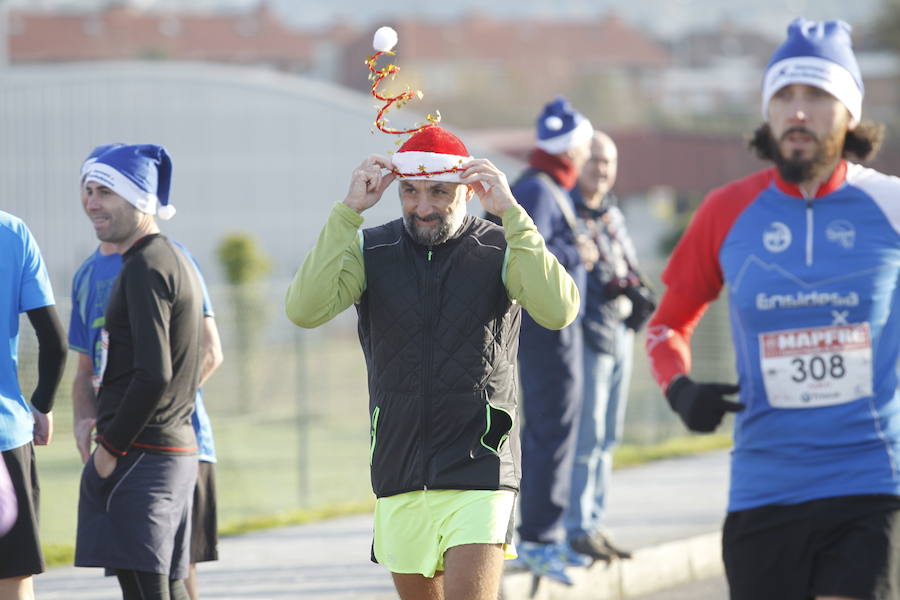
{"points": [[25, 288], [808, 252]]}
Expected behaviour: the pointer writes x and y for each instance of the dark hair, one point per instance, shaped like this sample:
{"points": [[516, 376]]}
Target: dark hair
{"points": [[861, 143]]}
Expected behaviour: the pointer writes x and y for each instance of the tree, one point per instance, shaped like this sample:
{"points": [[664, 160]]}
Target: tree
{"points": [[245, 266]]}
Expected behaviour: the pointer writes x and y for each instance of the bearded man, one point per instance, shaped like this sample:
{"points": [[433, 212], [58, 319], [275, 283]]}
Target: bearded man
{"points": [[438, 295], [810, 253]]}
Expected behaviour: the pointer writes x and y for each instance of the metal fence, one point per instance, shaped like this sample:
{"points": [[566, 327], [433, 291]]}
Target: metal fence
{"points": [[289, 411]]}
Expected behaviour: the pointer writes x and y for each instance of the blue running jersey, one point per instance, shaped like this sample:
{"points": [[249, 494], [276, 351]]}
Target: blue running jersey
{"points": [[814, 305]]}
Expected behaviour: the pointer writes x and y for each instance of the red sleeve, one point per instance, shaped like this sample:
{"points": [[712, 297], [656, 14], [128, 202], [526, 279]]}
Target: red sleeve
{"points": [[693, 276]]}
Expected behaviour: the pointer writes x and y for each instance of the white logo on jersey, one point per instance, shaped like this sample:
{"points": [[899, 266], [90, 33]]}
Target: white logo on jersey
{"points": [[777, 237], [841, 232], [97, 379], [803, 299]]}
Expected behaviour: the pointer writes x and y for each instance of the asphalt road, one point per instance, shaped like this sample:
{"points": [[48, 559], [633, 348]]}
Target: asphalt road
{"points": [[650, 506], [714, 588]]}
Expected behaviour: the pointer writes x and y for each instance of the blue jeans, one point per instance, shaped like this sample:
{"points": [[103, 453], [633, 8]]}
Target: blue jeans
{"points": [[550, 373], [606, 380]]}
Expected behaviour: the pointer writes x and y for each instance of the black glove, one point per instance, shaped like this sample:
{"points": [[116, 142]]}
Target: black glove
{"points": [[701, 405], [643, 303]]}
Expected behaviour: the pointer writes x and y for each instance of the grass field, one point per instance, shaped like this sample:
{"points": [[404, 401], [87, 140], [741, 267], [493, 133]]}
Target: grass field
{"points": [[277, 452], [291, 427], [62, 552]]}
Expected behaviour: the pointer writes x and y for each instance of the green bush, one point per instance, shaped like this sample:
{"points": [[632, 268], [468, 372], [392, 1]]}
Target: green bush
{"points": [[242, 259]]}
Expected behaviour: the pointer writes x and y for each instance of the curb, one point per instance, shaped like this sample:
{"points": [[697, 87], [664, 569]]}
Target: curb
{"points": [[650, 569]]}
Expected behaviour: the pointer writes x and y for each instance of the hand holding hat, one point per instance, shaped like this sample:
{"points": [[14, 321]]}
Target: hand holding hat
{"points": [[490, 184], [368, 182]]}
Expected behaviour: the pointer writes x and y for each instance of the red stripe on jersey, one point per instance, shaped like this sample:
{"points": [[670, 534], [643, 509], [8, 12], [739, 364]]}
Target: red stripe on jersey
{"points": [[168, 448], [837, 179], [693, 276]]}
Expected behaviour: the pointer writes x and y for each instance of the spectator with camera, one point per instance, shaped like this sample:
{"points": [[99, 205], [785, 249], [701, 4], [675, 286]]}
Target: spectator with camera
{"points": [[618, 303]]}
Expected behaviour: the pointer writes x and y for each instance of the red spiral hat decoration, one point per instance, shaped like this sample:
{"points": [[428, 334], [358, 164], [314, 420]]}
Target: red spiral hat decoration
{"points": [[384, 41]]}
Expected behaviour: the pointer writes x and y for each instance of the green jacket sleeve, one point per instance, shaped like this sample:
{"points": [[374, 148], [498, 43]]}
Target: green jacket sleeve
{"points": [[532, 275], [332, 277]]}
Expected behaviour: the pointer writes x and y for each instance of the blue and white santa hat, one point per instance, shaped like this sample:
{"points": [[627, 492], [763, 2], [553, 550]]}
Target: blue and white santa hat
{"points": [[817, 53], [140, 173], [92, 157], [561, 127]]}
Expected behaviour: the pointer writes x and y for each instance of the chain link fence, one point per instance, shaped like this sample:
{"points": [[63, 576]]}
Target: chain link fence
{"points": [[289, 410]]}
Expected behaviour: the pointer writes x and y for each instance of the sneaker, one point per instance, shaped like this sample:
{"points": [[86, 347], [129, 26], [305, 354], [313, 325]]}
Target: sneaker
{"points": [[598, 546], [607, 542], [544, 560], [587, 546], [572, 558]]}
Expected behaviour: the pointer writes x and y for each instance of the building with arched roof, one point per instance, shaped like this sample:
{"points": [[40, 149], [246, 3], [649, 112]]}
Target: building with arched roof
{"points": [[254, 151]]}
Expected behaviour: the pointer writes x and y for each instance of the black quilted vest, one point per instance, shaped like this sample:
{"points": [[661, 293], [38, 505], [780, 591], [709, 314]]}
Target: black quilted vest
{"points": [[440, 338]]}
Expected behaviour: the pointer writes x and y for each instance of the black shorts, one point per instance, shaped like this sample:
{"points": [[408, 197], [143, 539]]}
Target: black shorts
{"points": [[20, 548], [204, 524], [137, 518], [847, 546]]}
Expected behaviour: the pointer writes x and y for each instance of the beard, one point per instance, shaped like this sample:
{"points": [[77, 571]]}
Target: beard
{"points": [[795, 168], [433, 236]]}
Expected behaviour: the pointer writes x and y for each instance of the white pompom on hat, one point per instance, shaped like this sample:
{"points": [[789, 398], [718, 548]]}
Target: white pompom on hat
{"points": [[561, 127], [385, 39]]}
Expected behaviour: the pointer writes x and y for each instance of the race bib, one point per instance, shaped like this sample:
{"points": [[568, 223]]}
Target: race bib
{"points": [[97, 379], [817, 366]]}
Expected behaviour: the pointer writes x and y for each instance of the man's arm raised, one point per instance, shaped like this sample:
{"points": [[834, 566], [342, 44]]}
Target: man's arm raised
{"points": [[332, 276], [532, 274]]}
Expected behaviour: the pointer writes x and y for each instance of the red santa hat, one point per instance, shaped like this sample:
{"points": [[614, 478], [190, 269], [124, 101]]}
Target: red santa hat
{"points": [[433, 153]]}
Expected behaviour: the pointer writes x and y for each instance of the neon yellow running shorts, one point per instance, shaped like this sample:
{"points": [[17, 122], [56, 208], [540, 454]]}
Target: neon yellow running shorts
{"points": [[413, 530]]}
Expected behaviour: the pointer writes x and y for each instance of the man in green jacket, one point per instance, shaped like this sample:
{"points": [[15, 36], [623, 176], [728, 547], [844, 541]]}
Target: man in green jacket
{"points": [[438, 296]]}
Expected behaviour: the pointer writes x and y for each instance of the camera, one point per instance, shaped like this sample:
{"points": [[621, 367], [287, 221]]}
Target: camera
{"points": [[643, 303]]}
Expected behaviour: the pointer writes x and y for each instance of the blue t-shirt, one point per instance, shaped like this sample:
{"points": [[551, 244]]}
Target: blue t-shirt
{"points": [[24, 286], [814, 306], [91, 287]]}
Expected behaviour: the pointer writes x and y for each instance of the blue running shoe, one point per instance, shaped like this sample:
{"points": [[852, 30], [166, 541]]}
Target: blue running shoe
{"points": [[544, 560], [572, 558]]}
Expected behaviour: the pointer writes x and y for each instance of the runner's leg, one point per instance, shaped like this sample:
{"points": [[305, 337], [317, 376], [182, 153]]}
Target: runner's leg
{"points": [[17, 588], [139, 585], [473, 571], [412, 586], [178, 590], [191, 583]]}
